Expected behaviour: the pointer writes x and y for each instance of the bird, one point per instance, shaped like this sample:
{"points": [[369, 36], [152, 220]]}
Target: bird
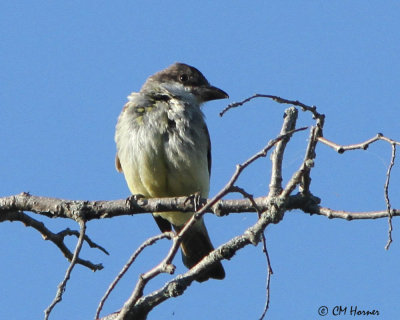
{"points": [[164, 150]]}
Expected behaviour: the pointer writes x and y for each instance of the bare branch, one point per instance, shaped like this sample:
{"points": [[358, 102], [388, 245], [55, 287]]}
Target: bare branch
{"points": [[363, 145], [69, 232], [63, 284], [269, 274], [386, 191], [302, 175], [329, 213], [163, 266], [304, 107], [148, 242], [264, 249], [289, 124], [67, 209], [178, 285], [219, 208], [310, 153], [56, 238], [309, 204]]}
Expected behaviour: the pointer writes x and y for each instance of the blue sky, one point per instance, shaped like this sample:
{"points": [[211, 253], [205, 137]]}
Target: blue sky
{"points": [[65, 71]]}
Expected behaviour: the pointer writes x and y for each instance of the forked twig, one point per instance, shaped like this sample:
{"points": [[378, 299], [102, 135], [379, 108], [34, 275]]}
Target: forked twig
{"points": [[63, 284], [56, 238], [148, 242]]}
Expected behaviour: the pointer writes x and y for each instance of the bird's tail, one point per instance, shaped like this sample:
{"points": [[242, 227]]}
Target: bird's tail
{"points": [[196, 244]]}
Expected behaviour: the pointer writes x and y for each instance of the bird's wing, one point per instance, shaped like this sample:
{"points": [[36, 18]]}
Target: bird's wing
{"points": [[118, 166], [209, 159]]}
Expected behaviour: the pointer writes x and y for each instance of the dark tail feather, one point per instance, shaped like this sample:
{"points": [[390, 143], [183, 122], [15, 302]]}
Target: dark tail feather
{"points": [[196, 244]]}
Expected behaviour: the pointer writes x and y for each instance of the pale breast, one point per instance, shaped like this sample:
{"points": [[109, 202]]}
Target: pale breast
{"points": [[164, 153]]}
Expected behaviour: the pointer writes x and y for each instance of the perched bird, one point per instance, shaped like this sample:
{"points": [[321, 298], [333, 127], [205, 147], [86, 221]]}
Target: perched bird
{"points": [[164, 150]]}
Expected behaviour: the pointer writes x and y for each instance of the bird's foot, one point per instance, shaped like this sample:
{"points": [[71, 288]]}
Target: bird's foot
{"points": [[134, 198], [195, 200]]}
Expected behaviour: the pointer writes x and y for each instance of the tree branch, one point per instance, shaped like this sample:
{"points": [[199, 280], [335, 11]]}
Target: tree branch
{"points": [[63, 284], [148, 242], [120, 207], [289, 124], [179, 284], [56, 238], [309, 204], [363, 145]]}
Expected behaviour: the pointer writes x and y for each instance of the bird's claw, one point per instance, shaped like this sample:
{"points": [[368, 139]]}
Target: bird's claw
{"points": [[134, 198], [195, 199]]}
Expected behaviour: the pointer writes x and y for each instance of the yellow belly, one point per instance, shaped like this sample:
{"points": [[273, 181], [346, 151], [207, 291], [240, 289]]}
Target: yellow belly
{"points": [[154, 175]]}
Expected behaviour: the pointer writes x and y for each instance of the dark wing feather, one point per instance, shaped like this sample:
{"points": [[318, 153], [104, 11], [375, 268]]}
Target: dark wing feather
{"points": [[208, 149], [117, 163], [163, 224]]}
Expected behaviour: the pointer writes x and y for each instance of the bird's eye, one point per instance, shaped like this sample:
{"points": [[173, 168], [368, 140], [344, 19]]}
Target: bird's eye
{"points": [[183, 77]]}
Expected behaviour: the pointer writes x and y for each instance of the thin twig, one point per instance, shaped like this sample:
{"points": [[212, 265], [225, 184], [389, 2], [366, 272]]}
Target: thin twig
{"points": [[63, 284], [264, 249], [304, 107], [247, 195], [148, 242], [386, 191], [364, 146], [270, 272], [347, 215], [56, 238], [69, 232], [361, 146]]}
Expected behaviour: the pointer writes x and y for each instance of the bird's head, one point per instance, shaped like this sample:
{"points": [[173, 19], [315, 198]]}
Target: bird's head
{"points": [[184, 82]]}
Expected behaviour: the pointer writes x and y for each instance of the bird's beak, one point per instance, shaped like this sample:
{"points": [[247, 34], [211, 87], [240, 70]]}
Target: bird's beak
{"points": [[207, 93]]}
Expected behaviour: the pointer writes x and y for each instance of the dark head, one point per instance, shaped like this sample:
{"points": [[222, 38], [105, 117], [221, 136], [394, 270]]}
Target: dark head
{"points": [[184, 81]]}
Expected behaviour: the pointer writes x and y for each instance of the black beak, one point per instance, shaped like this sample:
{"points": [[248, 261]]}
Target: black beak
{"points": [[208, 93]]}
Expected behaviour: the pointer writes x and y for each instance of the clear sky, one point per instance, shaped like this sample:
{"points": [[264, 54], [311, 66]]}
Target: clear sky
{"points": [[66, 68]]}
